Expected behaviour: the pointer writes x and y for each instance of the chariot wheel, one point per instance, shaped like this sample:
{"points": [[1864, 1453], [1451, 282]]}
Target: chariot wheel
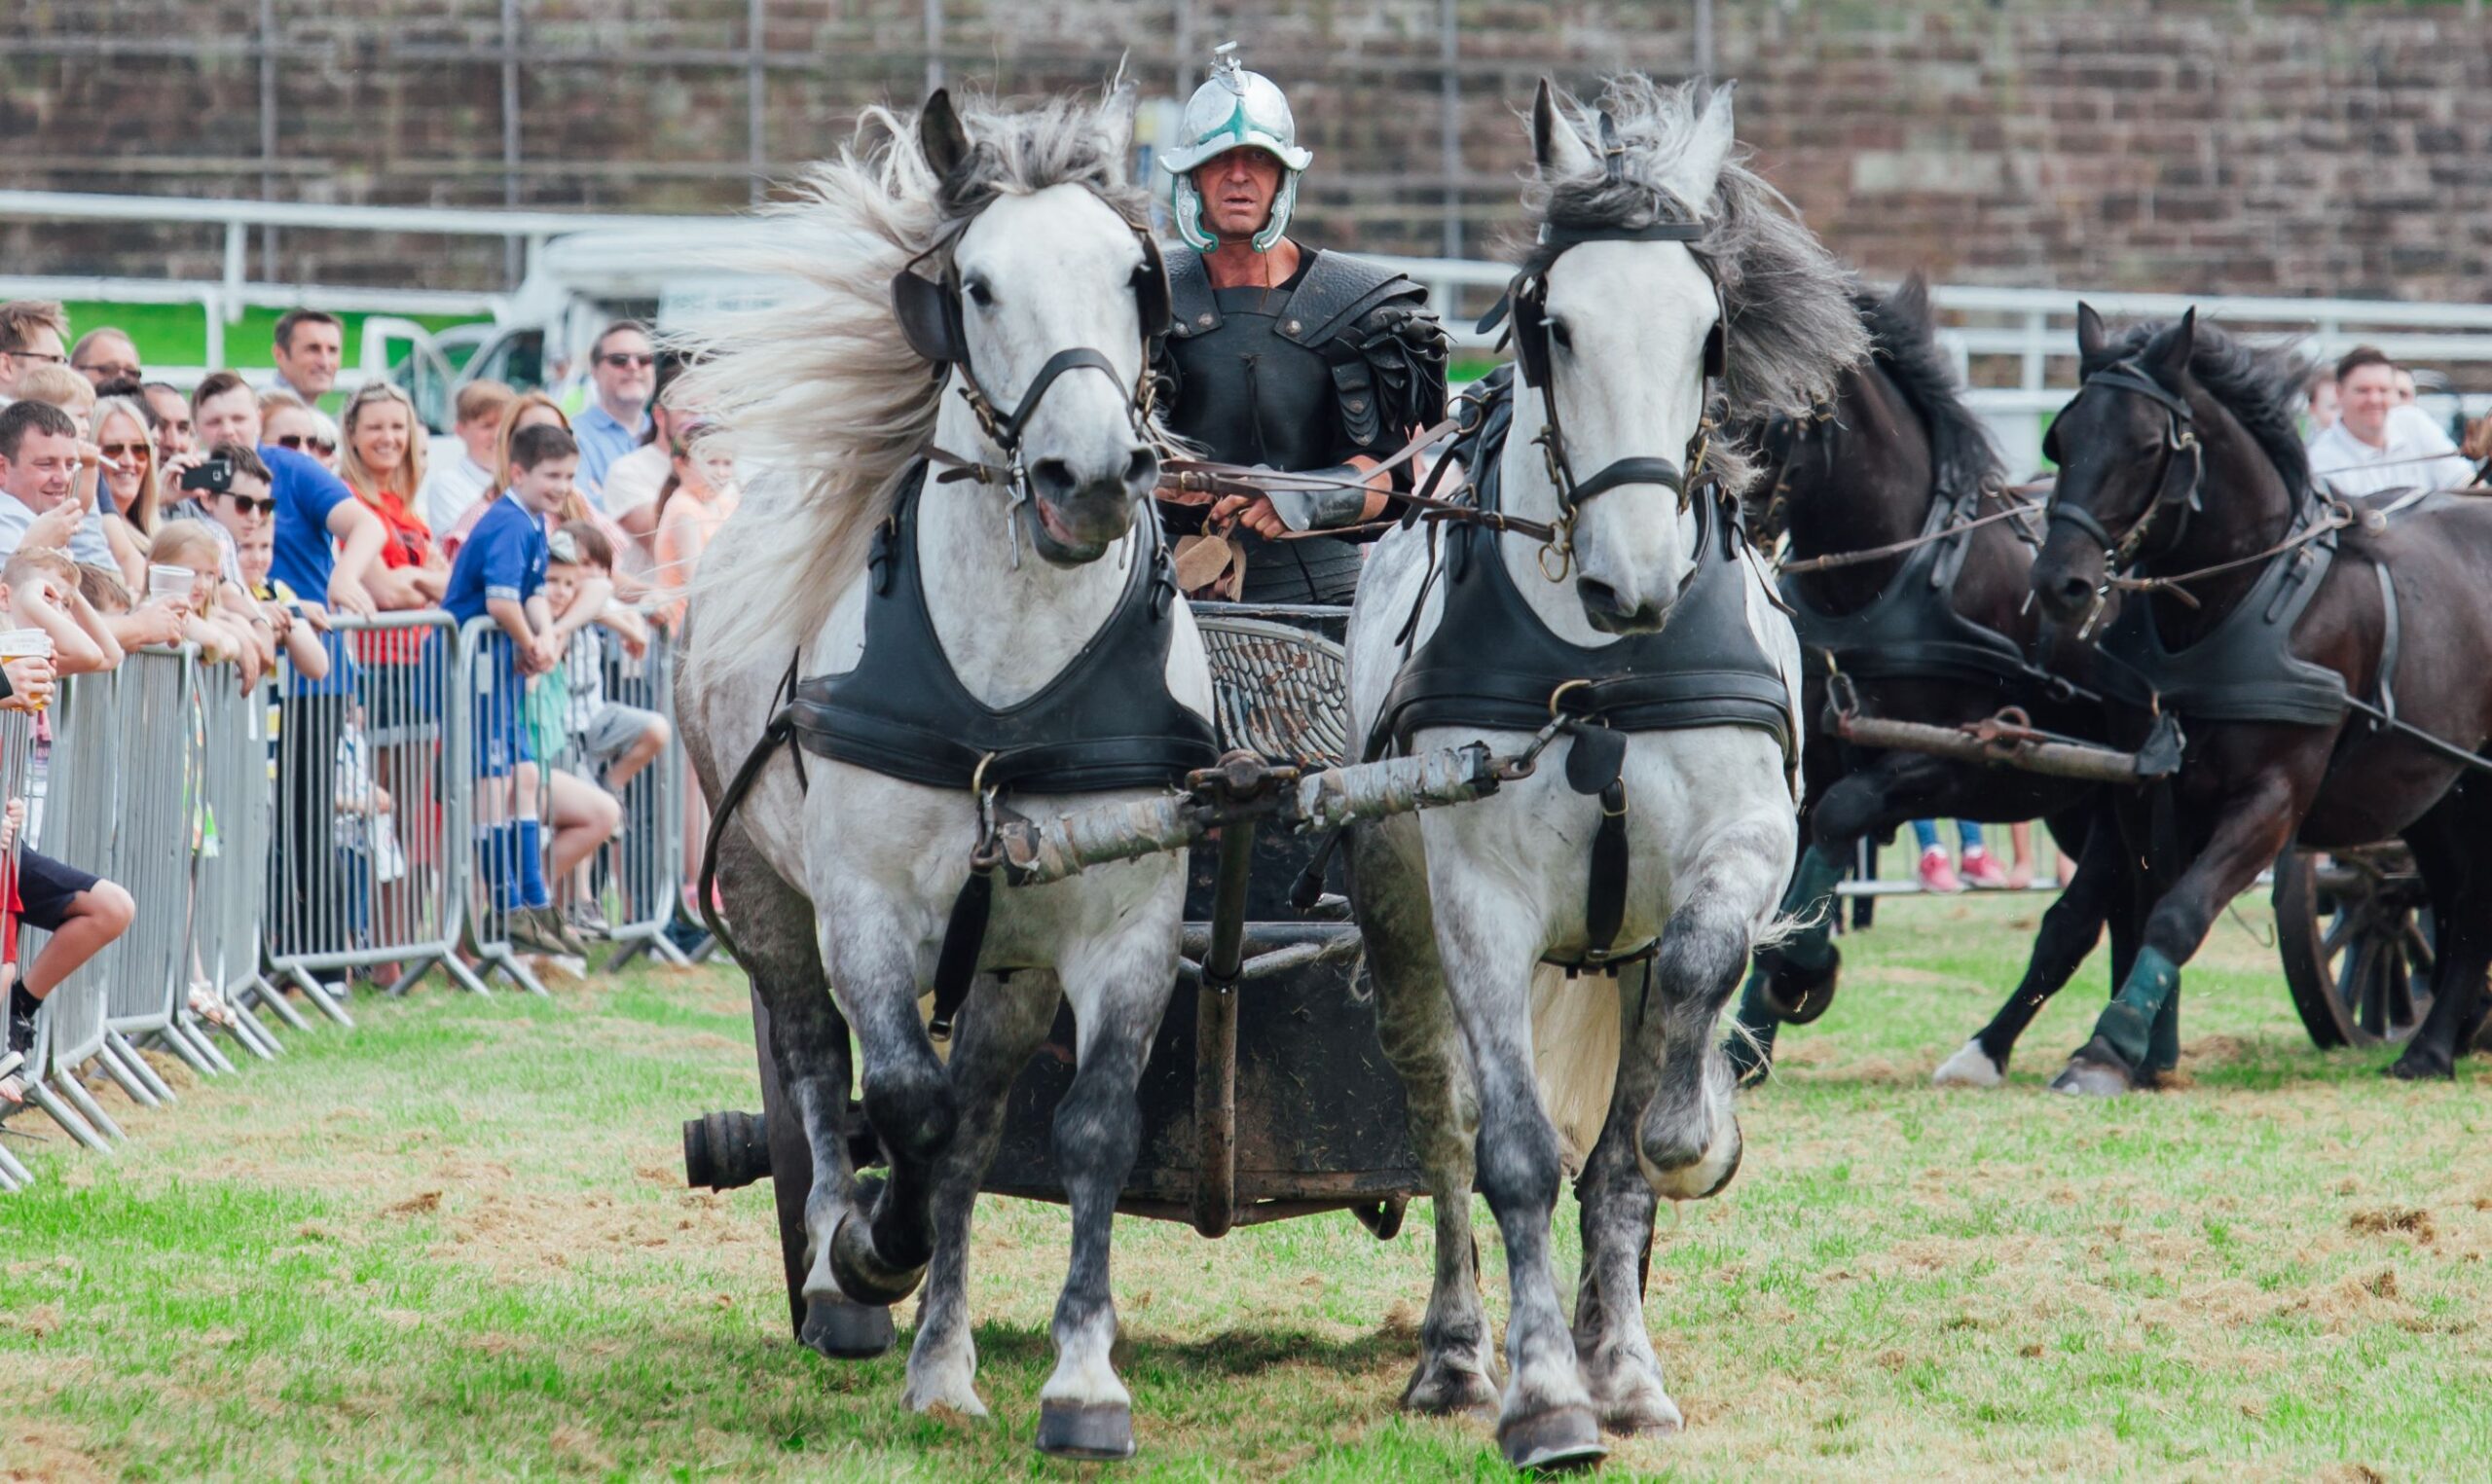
{"points": [[2354, 930]]}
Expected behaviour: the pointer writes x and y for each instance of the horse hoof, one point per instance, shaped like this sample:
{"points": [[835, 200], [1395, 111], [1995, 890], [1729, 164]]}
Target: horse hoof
{"points": [[1969, 1066], [1557, 1439], [1097, 1433], [2095, 1071], [838, 1330], [864, 1281], [1799, 995], [1447, 1391], [2411, 1067]]}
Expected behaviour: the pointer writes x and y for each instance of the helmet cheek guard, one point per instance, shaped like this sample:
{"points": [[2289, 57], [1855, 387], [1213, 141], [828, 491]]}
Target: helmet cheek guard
{"points": [[1186, 211]]}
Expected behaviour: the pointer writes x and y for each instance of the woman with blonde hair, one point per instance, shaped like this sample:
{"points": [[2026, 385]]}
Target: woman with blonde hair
{"points": [[528, 410]]}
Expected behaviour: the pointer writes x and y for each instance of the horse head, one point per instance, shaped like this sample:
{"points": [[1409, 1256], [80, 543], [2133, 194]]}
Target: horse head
{"points": [[1043, 315], [2129, 463], [1618, 327]]}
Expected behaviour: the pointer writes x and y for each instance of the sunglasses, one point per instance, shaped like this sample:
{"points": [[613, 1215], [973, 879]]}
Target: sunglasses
{"points": [[298, 442], [244, 504], [117, 450], [621, 359]]}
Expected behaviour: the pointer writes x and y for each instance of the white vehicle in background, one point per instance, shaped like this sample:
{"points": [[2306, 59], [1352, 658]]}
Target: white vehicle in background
{"points": [[578, 284]]}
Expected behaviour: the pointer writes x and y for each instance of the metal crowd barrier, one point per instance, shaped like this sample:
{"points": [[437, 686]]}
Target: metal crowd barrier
{"points": [[645, 866], [368, 855], [494, 710], [250, 829]]}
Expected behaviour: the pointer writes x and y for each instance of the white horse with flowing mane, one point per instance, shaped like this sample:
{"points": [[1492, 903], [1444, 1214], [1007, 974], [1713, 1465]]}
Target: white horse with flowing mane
{"points": [[1032, 290], [1654, 241]]}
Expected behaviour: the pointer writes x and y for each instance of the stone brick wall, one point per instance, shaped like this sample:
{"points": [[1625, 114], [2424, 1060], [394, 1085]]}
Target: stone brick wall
{"points": [[2224, 146]]}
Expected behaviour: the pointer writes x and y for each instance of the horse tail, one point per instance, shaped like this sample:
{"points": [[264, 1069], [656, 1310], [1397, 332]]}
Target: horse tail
{"points": [[1574, 1055]]}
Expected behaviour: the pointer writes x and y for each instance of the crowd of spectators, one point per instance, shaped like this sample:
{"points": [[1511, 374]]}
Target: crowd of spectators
{"points": [[563, 529]]}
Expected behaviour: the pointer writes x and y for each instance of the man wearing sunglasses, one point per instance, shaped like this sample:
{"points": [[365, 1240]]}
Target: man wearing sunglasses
{"points": [[308, 346], [623, 368], [32, 333], [104, 356]]}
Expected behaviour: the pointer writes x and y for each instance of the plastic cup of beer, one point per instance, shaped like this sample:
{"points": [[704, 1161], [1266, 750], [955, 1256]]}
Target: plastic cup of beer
{"points": [[25, 644]]}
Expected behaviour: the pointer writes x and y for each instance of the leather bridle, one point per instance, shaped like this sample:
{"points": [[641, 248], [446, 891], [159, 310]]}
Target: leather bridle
{"points": [[1527, 300], [929, 311], [2176, 483]]}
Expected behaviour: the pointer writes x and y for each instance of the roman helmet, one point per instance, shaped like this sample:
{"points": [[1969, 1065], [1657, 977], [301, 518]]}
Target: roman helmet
{"points": [[1234, 108]]}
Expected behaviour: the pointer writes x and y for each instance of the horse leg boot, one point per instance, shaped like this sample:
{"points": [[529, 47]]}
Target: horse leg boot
{"points": [[2070, 927], [809, 1050], [878, 1254], [1084, 1412], [1488, 950], [1001, 1027], [1415, 1023], [2252, 826], [1613, 1347]]}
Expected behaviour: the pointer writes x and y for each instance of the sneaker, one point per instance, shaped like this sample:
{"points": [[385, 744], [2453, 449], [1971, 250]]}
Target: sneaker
{"points": [[1936, 875], [1982, 870], [535, 931], [573, 945], [587, 921]]}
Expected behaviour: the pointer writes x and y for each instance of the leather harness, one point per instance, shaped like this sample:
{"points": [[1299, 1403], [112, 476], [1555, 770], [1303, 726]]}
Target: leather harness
{"points": [[1492, 663]]}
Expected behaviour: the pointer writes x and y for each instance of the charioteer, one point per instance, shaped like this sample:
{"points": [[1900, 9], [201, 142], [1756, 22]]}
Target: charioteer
{"points": [[1280, 355]]}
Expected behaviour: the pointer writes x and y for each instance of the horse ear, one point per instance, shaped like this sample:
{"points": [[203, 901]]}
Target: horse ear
{"points": [[2090, 336], [1692, 177], [1555, 145], [2172, 356], [1911, 298], [939, 134]]}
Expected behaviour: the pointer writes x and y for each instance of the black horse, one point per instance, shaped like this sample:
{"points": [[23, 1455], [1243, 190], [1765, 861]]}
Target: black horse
{"points": [[2270, 626], [1943, 634]]}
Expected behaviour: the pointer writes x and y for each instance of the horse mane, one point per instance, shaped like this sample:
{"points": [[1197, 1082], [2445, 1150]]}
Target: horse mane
{"points": [[820, 389], [2259, 383], [1901, 337], [1786, 302]]}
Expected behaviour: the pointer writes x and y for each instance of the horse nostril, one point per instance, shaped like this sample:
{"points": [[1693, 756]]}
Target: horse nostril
{"points": [[2075, 591], [1600, 596], [1053, 478], [1141, 469]]}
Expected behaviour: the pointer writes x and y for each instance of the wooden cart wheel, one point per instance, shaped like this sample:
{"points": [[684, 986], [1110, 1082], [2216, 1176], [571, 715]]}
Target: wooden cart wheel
{"points": [[2356, 940]]}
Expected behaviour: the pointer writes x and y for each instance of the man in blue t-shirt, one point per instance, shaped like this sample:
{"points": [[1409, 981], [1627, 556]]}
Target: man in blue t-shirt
{"points": [[622, 368], [500, 576], [314, 507]]}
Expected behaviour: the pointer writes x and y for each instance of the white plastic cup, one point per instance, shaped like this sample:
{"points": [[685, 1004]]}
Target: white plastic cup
{"points": [[25, 643], [168, 582]]}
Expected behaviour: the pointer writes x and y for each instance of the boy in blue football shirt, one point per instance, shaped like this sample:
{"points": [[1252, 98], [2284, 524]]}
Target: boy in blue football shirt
{"points": [[500, 574]]}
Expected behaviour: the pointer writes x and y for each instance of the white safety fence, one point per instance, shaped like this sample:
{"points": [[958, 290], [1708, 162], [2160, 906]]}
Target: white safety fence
{"points": [[287, 837]]}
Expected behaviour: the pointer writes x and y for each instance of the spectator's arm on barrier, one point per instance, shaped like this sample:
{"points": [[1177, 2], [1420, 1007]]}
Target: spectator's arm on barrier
{"points": [[526, 653], [157, 621], [81, 644], [303, 646], [359, 535], [628, 626], [587, 604]]}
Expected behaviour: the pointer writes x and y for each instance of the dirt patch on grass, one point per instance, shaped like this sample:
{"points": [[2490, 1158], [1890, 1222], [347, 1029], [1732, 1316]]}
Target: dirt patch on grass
{"points": [[2410, 1221]]}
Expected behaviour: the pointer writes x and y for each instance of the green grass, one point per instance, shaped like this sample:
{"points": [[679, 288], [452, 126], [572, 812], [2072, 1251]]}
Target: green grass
{"points": [[455, 1243]]}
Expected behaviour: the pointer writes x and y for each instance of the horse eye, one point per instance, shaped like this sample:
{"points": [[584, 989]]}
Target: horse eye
{"points": [[979, 294], [1560, 335]]}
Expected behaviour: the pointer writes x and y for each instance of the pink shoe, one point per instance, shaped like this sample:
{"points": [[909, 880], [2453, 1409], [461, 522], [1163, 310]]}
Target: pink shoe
{"points": [[1982, 870], [1936, 875]]}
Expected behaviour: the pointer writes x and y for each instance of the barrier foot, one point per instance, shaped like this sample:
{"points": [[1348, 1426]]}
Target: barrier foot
{"points": [[625, 951], [40, 1095], [464, 977], [184, 1040], [18, 1176], [250, 1034], [328, 1005], [138, 1067], [275, 998], [117, 1068], [516, 971], [87, 1107], [407, 981]]}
